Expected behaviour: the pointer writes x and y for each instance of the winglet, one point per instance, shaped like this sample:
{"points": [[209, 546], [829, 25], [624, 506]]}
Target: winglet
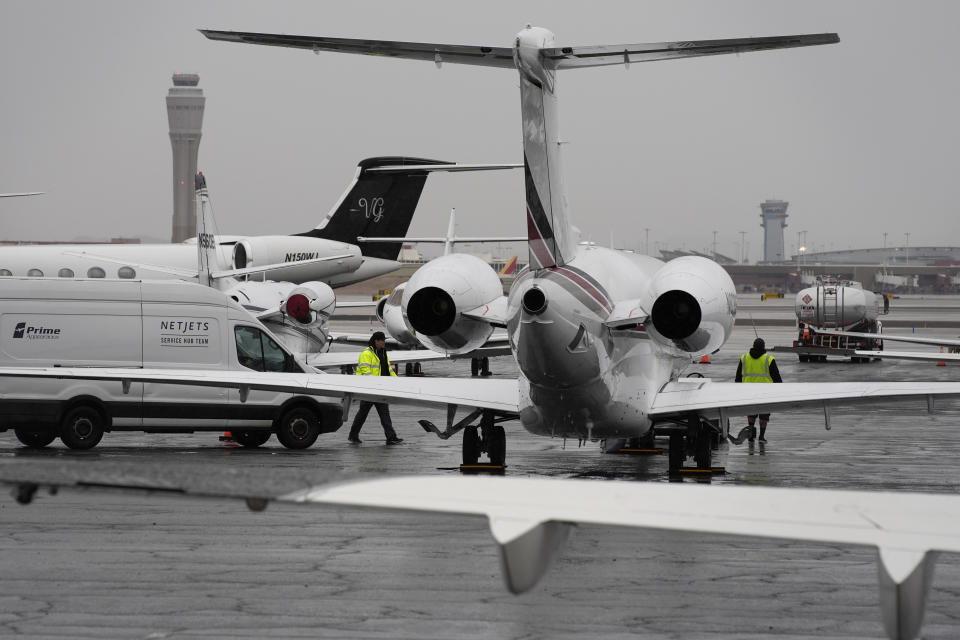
{"points": [[905, 578], [527, 548]]}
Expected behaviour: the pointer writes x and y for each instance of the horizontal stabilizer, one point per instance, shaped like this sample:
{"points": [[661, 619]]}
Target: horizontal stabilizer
{"points": [[553, 58], [605, 55], [449, 167], [437, 53], [458, 239]]}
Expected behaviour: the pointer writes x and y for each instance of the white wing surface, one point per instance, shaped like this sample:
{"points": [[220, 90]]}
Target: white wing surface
{"points": [[720, 399], [498, 395], [893, 337], [530, 519]]}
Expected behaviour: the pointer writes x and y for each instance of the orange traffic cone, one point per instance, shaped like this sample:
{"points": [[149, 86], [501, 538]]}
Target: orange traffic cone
{"points": [[704, 359]]}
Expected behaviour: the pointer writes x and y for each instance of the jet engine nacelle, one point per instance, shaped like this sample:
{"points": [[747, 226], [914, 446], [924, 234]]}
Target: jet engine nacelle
{"points": [[310, 304], [438, 294], [692, 304], [390, 314], [263, 250]]}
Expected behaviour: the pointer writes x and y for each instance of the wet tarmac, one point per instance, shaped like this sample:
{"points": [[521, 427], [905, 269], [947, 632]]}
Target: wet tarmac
{"points": [[111, 565]]}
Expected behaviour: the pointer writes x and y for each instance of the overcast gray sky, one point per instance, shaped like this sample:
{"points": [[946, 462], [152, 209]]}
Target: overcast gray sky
{"points": [[860, 137]]}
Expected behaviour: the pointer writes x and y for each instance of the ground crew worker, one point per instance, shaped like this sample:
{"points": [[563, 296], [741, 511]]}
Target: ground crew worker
{"points": [[373, 361], [757, 366]]}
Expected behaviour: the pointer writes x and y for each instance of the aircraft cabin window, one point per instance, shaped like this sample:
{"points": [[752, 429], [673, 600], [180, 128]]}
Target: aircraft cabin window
{"points": [[127, 273], [259, 352], [35, 273], [5, 272], [96, 272], [65, 273]]}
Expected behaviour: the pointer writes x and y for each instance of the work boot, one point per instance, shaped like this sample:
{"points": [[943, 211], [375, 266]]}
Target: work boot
{"points": [[354, 439], [394, 440], [763, 431]]}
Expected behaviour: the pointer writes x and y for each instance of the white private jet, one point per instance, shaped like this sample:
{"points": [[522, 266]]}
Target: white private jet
{"points": [[601, 338], [380, 200], [389, 310]]}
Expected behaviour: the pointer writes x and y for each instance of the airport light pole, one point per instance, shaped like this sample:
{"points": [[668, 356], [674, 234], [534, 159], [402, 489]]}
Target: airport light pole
{"points": [[907, 247], [714, 245], [646, 242], [742, 247]]}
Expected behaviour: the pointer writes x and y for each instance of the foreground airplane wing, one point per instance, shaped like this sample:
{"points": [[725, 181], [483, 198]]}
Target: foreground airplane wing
{"points": [[531, 518], [501, 395], [722, 399]]}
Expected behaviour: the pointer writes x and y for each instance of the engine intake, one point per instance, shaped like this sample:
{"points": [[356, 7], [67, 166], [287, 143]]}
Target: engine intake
{"points": [[676, 314], [432, 311]]}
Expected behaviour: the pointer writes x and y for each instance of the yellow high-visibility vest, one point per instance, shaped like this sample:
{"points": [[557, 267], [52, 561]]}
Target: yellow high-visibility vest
{"points": [[369, 363], [755, 369]]}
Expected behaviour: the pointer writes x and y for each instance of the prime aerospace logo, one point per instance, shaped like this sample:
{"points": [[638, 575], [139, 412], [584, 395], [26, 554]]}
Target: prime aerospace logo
{"points": [[24, 331]]}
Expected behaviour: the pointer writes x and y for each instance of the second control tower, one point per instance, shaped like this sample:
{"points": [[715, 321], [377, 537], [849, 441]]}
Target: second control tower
{"points": [[185, 103], [774, 214]]}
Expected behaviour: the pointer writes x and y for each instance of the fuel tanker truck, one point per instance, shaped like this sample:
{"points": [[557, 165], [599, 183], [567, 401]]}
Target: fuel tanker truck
{"points": [[837, 305]]}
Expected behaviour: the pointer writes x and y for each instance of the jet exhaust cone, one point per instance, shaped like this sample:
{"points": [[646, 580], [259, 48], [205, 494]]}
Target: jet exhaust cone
{"points": [[534, 301], [676, 314], [431, 311]]}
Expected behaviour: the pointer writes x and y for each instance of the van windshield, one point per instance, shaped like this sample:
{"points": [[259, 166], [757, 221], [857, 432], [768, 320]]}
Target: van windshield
{"points": [[258, 351]]}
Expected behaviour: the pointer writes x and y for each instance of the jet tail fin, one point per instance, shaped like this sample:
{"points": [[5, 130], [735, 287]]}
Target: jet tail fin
{"points": [[207, 260], [381, 201]]}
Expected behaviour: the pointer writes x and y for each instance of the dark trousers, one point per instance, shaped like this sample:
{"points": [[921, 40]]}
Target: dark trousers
{"points": [[383, 410]]}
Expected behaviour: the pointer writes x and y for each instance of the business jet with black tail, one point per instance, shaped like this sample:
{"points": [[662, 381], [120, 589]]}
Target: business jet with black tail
{"points": [[380, 200]]}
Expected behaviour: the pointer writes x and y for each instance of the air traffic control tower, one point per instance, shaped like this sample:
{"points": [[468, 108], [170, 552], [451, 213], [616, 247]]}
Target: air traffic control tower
{"points": [[774, 214], [185, 113]]}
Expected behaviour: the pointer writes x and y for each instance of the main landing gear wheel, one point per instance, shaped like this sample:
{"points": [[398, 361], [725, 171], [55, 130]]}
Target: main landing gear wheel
{"points": [[497, 445], [36, 439], [298, 428], [678, 452], [251, 439], [81, 428], [471, 445]]}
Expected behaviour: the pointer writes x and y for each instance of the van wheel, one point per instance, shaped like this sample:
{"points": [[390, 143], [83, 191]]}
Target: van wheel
{"points": [[36, 439], [298, 428], [81, 428], [251, 439]]}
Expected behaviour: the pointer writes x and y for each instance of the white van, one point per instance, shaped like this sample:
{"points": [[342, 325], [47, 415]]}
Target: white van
{"points": [[49, 322]]}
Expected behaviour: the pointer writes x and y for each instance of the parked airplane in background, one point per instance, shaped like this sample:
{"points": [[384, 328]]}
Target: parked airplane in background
{"points": [[381, 200], [19, 195]]}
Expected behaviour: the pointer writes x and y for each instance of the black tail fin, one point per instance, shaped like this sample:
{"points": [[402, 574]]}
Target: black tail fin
{"points": [[379, 203]]}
